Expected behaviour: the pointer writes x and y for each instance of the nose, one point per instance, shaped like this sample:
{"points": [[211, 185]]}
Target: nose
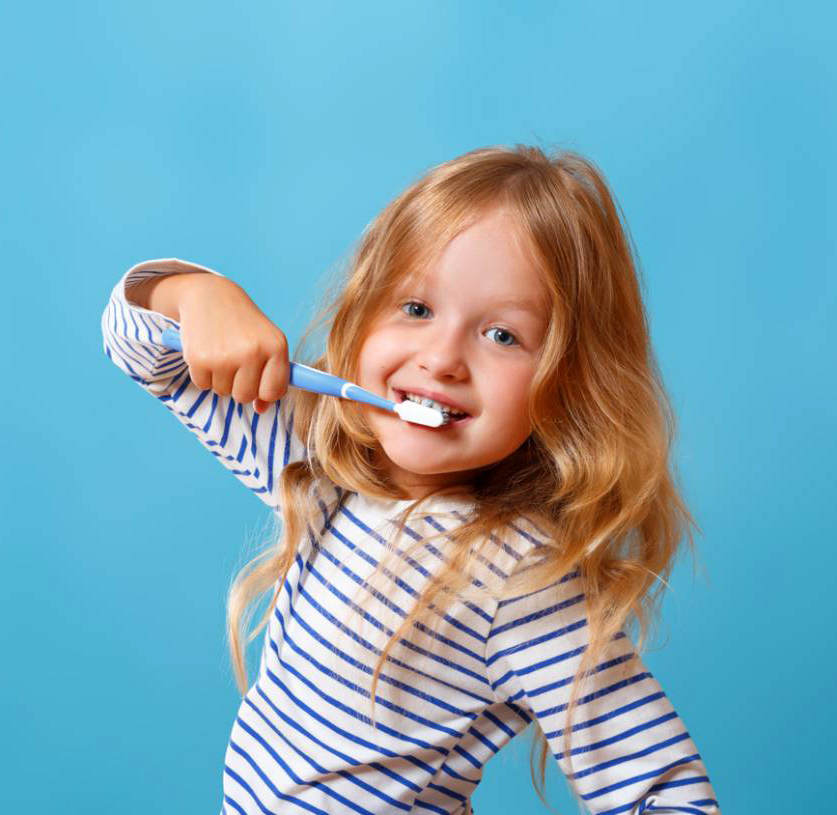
{"points": [[442, 355]]}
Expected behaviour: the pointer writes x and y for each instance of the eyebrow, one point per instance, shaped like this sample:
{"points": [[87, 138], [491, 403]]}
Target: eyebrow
{"points": [[518, 303], [521, 304]]}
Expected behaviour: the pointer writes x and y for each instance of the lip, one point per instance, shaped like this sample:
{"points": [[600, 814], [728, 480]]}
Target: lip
{"points": [[437, 397]]}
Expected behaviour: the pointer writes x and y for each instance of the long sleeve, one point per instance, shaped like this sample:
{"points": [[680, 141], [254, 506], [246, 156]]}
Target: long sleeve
{"points": [[254, 448], [631, 752]]}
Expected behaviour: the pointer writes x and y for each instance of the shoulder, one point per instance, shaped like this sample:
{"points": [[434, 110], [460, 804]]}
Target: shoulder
{"points": [[526, 541], [502, 554], [537, 567]]}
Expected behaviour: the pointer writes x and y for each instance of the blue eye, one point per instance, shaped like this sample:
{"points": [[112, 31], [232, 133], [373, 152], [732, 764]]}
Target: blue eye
{"points": [[417, 309], [508, 334], [407, 306]]}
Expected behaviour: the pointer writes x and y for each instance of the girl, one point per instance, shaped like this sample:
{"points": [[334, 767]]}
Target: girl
{"points": [[436, 590]]}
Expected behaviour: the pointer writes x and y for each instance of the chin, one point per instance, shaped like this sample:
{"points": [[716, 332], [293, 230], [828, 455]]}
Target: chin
{"points": [[421, 462], [419, 465]]}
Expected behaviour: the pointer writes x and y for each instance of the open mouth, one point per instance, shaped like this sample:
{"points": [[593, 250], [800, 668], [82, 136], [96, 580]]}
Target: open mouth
{"points": [[451, 415]]}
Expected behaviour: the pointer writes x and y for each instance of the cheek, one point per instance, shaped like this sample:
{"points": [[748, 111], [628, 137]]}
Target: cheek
{"points": [[375, 358], [510, 396]]}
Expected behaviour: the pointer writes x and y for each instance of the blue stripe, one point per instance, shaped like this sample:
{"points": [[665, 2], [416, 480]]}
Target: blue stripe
{"points": [[380, 626], [522, 646], [350, 761], [480, 557], [136, 327], [254, 426], [352, 779], [386, 601], [292, 799], [597, 694], [384, 702], [453, 774], [370, 647], [568, 679], [288, 435], [349, 711], [185, 384], [513, 553], [520, 712], [208, 423], [524, 534], [509, 600], [147, 327], [124, 331], [209, 443], [339, 730], [587, 748], [291, 774], [399, 582], [484, 739], [136, 321], [536, 666], [467, 756], [646, 700], [457, 796], [227, 421], [125, 364], [434, 551], [426, 697], [627, 782], [499, 723], [271, 447], [406, 558], [118, 345], [233, 804], [432, 807], [631, 756], [684, 782], [536, 615]]}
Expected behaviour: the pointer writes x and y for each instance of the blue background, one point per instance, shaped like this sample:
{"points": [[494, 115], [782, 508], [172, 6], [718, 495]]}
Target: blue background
{"points": [[260, 139]]}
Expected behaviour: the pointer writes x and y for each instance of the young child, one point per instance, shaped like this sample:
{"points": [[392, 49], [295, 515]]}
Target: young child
{"points": [[434, 591]]}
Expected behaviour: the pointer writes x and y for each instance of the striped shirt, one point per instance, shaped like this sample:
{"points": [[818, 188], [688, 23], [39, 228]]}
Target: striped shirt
{"points": [[453, 695]]}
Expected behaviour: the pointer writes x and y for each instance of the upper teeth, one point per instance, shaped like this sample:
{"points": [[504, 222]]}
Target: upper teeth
{"points": [[423, 400]]}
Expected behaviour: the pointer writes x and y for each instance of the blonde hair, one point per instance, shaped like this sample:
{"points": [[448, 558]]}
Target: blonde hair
{"points": [[595, 473]]}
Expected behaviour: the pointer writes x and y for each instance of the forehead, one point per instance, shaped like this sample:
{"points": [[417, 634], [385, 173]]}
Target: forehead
{"points": [[488, 262]]}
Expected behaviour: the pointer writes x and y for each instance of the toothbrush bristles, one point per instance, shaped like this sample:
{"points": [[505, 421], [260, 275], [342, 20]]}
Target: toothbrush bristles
{"points": [[420, 414]]}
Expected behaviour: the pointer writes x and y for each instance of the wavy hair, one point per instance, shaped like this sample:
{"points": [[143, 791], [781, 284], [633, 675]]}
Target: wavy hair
{"points": [[595, 474]]}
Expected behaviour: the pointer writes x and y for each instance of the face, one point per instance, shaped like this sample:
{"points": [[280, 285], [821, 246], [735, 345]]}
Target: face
{"points": [[466, 333]]}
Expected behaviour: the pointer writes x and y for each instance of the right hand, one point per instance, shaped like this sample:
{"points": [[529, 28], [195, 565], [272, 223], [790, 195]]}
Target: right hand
{"points": [[229, 344]]}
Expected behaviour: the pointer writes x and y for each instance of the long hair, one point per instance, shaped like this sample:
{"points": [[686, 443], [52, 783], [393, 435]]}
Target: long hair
{"points": [[595, 474]]}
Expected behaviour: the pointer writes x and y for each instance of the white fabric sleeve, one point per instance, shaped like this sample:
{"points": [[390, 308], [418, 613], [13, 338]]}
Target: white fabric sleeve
{"points": [[631, 752], [254, 448]]}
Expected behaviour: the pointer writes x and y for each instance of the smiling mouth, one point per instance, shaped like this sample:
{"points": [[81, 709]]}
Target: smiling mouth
{"points": [[451, 415]]}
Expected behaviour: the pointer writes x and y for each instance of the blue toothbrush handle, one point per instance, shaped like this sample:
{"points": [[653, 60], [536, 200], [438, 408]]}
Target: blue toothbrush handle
{"points": [[306, 378]]}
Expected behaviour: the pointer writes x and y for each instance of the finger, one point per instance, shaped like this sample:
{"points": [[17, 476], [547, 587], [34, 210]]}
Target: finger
{"points": [[200, 376], [245, 387], [200, 371], [274, 380], [222, 380]]}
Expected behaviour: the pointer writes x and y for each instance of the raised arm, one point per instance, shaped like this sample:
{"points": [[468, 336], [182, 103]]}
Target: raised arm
{"points": [[234, 360]]}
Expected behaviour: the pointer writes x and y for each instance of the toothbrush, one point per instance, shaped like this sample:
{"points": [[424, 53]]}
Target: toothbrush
{"points": [[312, 379]]}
